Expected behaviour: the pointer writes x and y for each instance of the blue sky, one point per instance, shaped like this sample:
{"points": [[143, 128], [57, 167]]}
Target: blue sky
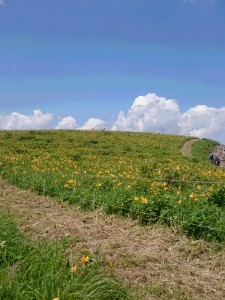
{"points": [[92, 59]]}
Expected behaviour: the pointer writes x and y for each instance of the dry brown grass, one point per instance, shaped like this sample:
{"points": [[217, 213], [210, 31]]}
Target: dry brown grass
{"points": [[162, 263]]}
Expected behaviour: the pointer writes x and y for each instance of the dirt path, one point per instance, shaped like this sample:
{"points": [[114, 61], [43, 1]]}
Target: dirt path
{"points": [[218, 150], [141, 255], [186, 149]]}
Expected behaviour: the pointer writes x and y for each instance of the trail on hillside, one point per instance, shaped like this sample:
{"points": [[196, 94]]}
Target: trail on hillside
{"points": [[140, 254], [186, 149], [217, 150]]}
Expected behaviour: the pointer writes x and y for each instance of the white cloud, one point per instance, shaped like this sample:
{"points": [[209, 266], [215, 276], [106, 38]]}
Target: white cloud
{"points": [[157, 114], [67, 123], [19, 121], [93, 123], [202, 121], [2, 2], [149, 113]]}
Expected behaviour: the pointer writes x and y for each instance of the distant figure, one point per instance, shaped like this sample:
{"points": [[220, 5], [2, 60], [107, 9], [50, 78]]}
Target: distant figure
{"points": [[214, 159], [217, 161], [223, 150]]}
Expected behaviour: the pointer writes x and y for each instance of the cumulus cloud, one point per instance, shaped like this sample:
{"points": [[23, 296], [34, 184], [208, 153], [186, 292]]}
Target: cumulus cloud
{"points": [[149, 113], [19, 121], [67, 123], [94, 123], [202, 121], [157, 114]]}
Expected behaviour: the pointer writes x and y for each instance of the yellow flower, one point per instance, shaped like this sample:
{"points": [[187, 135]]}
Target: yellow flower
{"points": [[57, 298], [66, 185], [144, 200], [74, 269], [135, 198], [72, 181], [192, 195], [179, 201], [85, 259]]}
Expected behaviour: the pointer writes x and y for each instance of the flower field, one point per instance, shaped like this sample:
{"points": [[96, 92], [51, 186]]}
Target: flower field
{"points": [[140, 175]]}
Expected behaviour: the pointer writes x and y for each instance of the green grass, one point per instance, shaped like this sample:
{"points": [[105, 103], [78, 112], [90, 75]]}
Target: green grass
{"points": [[141, 175], [31, 271], [202, 149]]}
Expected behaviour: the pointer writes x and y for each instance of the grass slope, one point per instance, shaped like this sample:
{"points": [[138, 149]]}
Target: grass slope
{"points": [[140, 175]]}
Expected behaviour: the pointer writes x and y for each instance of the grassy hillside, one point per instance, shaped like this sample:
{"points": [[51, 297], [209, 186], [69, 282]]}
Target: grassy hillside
{"points": [[140, 175]]}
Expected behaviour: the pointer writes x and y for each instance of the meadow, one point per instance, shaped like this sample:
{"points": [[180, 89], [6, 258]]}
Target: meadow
{"points": [[140, 175]]}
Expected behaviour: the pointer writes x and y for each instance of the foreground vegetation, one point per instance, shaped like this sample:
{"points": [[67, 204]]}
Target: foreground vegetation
{"points": [[32, 271], [140, 175]]}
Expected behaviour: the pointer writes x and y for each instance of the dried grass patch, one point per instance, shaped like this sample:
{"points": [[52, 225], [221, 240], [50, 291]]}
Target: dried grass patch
{"points": [[155, 259]]}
